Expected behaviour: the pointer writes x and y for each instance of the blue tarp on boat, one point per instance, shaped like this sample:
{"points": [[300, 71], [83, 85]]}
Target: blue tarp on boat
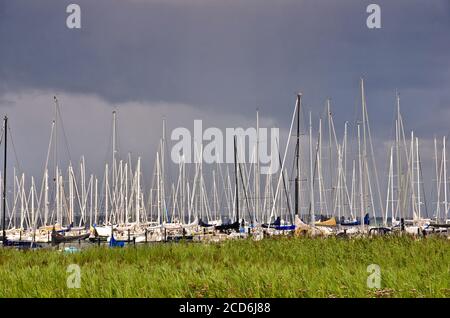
{"points": [[285, 227], [114, 243]]}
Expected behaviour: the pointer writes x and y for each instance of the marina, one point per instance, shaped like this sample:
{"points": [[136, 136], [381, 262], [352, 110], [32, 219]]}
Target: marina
{"points": [[329, 188]]}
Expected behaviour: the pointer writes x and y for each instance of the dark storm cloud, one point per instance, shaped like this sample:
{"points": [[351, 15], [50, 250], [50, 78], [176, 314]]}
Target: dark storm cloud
{"points": [[232, 56]]}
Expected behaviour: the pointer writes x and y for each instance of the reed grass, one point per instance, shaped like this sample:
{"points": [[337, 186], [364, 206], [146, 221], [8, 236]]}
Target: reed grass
{"points": [[280, 267]]}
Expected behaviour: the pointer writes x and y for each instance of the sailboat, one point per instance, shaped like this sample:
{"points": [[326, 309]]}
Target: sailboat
{"points": [[58, 237]]}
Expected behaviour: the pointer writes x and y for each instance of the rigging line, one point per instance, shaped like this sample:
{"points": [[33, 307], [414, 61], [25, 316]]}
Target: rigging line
{"points": [[284, 160], [285, 188], [423, 188], [110, 144], [66, 142], [1, 137], [14, 149], [116, 137]]}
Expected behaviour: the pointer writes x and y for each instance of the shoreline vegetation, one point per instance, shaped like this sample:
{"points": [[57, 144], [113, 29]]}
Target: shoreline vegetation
{"points": [[275, 267]]}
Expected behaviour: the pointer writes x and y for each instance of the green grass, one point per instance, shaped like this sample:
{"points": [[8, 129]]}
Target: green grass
{"points": [[284, 267]]}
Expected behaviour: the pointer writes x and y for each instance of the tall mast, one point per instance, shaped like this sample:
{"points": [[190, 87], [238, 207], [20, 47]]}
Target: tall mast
{"points": [[330, 152], [55, 154], [33, 221], [96, 202], [125, 169], [311, 173], [57, 194], [120, 206], [345, 148], [392, 187], [339, 202], [106, 195], [418, 175], [364, 143], [114, 138], [361, 188], [158, 186], [319, 168], [91, 189], [257, 175], [413, 196], [297, 155], [236, 180], [56, 137], [438, 178], [163, 166], [367, 134], [397, 150], [353, 191], [46, 197], [215, 199], [138, 190], [4, 179], [363, 103], [71, 196], [445, 177], [183, 190], [390, 183], [113, 167]]}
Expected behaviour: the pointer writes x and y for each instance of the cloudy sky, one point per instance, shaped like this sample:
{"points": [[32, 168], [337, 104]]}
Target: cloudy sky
{"points": [[218, 61]]}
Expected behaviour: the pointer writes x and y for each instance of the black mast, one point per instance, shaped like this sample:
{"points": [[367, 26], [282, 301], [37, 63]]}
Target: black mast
{"points": [[285, 189], [245, 194], [236, 180], [4, 180], [297, 155]]}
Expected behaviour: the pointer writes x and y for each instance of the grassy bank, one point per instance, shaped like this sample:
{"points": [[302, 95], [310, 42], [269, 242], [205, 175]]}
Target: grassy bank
{"points": [[285, 267]]}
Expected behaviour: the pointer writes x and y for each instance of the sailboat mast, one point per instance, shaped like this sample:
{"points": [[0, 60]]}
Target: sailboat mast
{"points": [[162, 173], [297, 155], [114, 141], [361, 193], [399, 173], [319, 168], [390, 182], [311, 173], [418, 175], [257, 167], [91, 189], [413, 196], [4, 179], [113, 169], [158, 188], [106, 195], [138, 191], [46, 197], [438, 177], [236, 180], [445, 177], [96, 202], [330, 151]]}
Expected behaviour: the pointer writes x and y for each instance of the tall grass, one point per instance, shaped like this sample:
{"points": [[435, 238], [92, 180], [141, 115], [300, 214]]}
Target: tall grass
{"points": [[284, 267]]}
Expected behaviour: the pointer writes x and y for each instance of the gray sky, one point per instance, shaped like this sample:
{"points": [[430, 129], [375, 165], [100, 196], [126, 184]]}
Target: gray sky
{"points": [[216, 60]]}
